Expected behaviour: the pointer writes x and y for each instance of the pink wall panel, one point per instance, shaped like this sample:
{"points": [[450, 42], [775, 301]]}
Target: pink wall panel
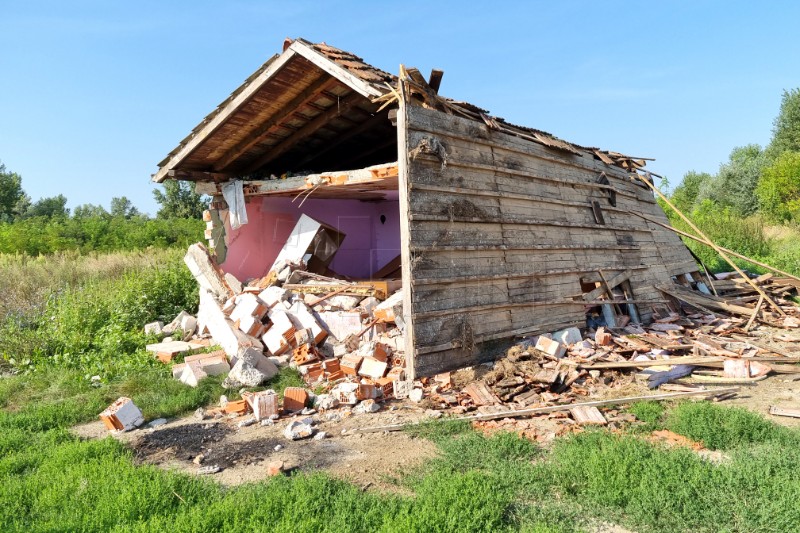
{"points": [[369, 244]]}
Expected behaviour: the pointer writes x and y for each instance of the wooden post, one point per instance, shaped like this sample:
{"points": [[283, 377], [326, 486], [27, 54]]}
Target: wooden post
{"points": [[710, 243]]}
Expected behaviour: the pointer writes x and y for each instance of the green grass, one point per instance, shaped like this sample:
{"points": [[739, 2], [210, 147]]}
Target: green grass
{"points": [[50, 480], [87, 324]]}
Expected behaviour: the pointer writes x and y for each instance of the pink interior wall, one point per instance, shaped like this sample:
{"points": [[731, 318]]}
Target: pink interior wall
{"points": [[367, 247]]}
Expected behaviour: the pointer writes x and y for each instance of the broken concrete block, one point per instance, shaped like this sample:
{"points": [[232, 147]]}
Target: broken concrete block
{"points": [[340, 324], [247, 422], [206, 273], [372, 368], [350, 364], [346, 393], [551, 347], [301, 314], [391, 309], [339, 350], [222, 330], [303, 336], [250, 372], [167, 351], [299, 429], [154, 328], [213, 364], [403, 388], [568, 336], [280, 334], [248, 305], [273, 295], [233, 283], [192, 374], [326, 402], [344, 302], [294, 399], [368, 304], [122, 415], [367, 406], [415, 395]]}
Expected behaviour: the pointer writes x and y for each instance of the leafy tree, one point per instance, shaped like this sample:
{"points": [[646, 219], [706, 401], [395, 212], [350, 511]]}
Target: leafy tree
{"points": [[179, 199], [88, 211], [11, 194], [52, 207], [735, 183], [122, 207], [778, 191], [685, 195], [786, 127]]}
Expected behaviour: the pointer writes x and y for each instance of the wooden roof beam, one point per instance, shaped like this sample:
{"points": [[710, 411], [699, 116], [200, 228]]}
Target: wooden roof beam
{"points": [[343, 138], [313, 125], [308, 94], [221, 117]]}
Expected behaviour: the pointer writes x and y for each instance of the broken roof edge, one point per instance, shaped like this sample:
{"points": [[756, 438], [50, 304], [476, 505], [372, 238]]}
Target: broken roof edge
{"points": [[352, 72]]}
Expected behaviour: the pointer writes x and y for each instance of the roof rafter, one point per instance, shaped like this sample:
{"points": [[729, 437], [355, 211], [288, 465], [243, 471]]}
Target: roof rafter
{"points": [[309, 93], [309, 128], [220, 118]]}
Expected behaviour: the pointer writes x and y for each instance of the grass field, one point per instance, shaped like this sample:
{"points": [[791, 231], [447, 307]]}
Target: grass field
{"points": [[82, 315], [52, 481]]}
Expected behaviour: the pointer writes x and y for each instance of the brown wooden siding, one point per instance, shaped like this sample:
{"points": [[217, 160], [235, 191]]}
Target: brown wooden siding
{"points": [[499, 231]]}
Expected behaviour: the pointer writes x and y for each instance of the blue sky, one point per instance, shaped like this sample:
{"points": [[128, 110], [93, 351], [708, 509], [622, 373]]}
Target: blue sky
{"points": [[95, 93]]}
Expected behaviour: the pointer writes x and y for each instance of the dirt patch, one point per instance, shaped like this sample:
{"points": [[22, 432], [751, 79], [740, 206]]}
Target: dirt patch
{"points": [[370, 460], [185, 442]]}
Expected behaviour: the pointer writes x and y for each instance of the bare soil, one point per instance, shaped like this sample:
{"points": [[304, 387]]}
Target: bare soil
{"points": [[370, 460]]}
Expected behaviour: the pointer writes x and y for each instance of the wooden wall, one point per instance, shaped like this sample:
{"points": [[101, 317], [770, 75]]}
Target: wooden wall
{"points": [[497, 232]]}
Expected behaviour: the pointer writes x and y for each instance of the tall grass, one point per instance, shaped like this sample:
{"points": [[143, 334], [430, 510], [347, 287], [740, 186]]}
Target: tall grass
{"points": [[87, 312], [776, 246]]}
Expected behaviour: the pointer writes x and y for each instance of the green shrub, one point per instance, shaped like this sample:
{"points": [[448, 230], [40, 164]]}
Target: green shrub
{"points": [[97, 326], [778, 189]]}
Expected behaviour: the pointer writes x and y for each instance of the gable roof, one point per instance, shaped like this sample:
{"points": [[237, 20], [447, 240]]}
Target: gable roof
{"points": [[307, 100]]}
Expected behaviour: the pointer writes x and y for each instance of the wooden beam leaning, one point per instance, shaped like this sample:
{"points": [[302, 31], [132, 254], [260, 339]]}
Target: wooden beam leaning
{"points": [[716, 248], [258, 134], [702, 241]]}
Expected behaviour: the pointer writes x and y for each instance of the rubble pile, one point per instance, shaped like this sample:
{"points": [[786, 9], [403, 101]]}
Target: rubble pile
{"points": [[346, 339], [693, 351]]}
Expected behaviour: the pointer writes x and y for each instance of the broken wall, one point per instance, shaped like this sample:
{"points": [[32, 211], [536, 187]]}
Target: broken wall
{"points": [[369, 243], [500, 231]]}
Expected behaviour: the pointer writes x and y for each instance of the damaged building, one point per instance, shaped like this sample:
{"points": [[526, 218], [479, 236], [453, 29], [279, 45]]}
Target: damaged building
{"points": [[489, 231]]}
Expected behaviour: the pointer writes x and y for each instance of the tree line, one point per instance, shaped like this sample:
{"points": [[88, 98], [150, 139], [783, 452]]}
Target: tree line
{"points": [[48, 226], [752, 203]]}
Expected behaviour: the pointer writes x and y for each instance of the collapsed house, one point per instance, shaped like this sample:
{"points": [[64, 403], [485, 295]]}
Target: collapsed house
{"points": [[491, 231]]}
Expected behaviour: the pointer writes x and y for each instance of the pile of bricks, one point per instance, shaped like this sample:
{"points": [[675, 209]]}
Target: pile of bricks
{"points": [[345, 335]]}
